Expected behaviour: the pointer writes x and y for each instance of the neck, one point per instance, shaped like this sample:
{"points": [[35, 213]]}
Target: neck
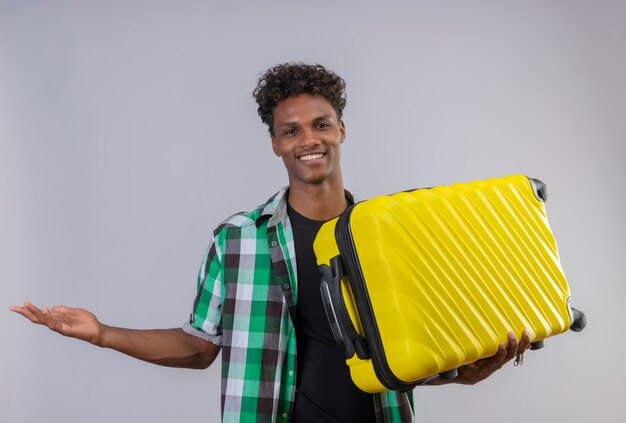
{"points": [[318, 202]]}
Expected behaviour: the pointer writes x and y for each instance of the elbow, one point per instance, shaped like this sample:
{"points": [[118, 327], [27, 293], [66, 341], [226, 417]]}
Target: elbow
{"points": [[206, 355], [201, 363]]}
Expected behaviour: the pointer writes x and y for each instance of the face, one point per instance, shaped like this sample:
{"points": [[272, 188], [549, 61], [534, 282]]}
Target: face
{"points": [[308, 137]]}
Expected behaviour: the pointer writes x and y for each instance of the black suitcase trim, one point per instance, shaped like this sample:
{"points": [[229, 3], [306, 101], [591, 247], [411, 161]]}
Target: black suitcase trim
{"points": [[352, 268]]}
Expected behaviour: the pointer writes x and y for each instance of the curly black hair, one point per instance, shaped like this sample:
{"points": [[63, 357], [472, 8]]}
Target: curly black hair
{"points": [[290, 79]]}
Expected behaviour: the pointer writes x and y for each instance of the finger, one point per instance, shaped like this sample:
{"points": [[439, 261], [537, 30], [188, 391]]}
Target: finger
{"points": [[502, 357], [495, 361], [524, 343], [502, 352], [16, 309], [511, 350], [24, 312], [27, 312], [60, 309], [46, 317], [41, 317]]}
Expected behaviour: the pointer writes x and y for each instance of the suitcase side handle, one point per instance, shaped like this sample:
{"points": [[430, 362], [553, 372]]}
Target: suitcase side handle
{"points": [[341, 326]]}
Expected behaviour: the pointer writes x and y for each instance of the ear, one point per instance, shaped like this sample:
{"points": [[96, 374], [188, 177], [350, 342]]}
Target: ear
{"points": [[342, 129], [275, 147]]}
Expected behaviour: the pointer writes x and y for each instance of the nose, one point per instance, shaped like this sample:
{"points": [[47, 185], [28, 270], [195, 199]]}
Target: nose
{"points": [[309, 138]]}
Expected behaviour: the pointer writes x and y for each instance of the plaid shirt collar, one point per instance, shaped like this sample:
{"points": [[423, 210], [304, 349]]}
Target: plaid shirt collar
{"points": [[276, 207]]}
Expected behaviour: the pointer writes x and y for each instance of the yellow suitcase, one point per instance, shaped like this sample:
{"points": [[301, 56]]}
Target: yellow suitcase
{"points": [[419, 283]]}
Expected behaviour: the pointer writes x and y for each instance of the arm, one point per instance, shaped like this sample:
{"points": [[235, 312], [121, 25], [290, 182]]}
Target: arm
{"points": [[473, 373], [166, 347]]}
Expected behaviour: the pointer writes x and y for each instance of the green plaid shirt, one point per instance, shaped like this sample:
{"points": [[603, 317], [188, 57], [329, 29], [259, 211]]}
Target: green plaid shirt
{"points": [[247, 290]]}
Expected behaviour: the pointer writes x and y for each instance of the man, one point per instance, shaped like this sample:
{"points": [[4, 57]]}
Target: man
{"points": [[258, 287]]}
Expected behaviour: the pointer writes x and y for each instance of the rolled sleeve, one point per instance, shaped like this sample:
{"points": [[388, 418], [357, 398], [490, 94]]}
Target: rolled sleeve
{"points": [[205, 320]]}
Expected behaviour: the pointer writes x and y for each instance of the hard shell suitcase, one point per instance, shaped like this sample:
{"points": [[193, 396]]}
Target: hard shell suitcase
{"points": [[419, 283]]}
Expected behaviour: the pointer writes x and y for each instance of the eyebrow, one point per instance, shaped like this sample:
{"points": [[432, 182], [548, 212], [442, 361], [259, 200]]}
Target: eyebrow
{"points": [[317, 119]]}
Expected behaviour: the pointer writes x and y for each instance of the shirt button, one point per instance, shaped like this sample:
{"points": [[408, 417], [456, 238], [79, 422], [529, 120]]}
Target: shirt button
{"points": [[290, 372], [284, 415], [274, 243], [286, 286]]}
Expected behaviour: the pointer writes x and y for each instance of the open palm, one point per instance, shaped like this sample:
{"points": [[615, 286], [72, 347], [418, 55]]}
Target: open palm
{"points": [[74, 322]]}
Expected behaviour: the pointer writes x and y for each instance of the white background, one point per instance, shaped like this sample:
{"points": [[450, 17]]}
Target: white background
{"points": [[128, 131]]}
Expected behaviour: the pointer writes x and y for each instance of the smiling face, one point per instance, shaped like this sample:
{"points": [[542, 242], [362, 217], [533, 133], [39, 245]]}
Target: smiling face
{"points": [[308, 137]]}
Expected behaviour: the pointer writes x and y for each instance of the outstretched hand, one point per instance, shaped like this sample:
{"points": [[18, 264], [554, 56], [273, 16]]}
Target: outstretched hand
{"points": [[473, 373], [74, 322], [167, 347]]}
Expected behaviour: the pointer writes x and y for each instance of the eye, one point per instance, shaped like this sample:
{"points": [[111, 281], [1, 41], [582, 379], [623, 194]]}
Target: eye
{"points": [[322, 125], [290, 132]]}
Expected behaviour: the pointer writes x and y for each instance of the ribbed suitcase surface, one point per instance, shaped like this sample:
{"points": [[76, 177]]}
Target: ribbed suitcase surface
{"points": [[435, 278]]}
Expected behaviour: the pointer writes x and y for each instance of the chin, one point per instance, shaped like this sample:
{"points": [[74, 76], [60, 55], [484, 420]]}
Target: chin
{"points": [[313, 178]]}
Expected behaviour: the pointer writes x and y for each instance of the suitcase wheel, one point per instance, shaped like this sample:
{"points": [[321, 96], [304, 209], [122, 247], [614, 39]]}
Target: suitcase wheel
{"points": [[537, 345], [449, 375], [539, 189], [579, 320]]}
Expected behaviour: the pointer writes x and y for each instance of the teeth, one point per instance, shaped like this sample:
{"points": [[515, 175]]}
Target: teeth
{"points": [[311, 156]]}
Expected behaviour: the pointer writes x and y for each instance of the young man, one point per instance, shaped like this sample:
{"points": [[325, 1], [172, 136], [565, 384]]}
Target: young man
{"points": [[258, 295]]}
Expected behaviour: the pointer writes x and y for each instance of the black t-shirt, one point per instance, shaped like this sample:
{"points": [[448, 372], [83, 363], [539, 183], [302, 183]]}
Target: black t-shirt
{"points": [[324, 390]]}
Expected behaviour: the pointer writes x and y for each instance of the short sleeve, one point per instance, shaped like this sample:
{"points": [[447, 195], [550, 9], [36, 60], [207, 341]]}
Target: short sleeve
{"points": [[205, 320]]}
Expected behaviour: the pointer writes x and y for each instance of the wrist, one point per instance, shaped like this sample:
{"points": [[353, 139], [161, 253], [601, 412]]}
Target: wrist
{"points": [[103, 337]]}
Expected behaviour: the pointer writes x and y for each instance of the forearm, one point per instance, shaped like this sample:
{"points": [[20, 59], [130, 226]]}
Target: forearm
{"points": [[439, 381], [165, 347]]}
